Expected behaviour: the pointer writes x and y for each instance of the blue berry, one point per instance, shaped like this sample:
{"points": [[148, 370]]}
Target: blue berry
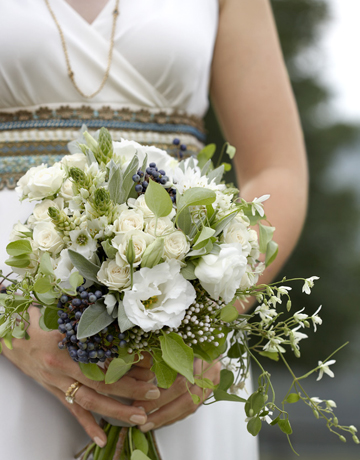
{"points": [[73, 338], [136, 177], [60, 321], [70, 333], [110, 338], [141, 174], [172, 199], [156, 174], [97, 339], [90, 346], [84, 295], [72, 353], [59, 304], [76, 302], [100, 353], [78, 315], [163, 181], [103, 359], [145, 184], [181, 155], [62, 328], [92, 298], [104, 331], [183, 147], [68, 326], [93, 354], [98, 294], [64, 298], [108, 353], [61, 345], [122, 344], [138, 188], [176, 141], [152, 165], [80, 289], [121, 336]]}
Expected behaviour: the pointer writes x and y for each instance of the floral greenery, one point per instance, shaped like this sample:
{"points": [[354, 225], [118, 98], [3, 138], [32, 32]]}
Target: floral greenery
{"points": [[131, 251]]}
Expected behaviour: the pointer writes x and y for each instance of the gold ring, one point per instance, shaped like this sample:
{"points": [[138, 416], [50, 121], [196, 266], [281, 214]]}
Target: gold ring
{"points": [[71, 392]]}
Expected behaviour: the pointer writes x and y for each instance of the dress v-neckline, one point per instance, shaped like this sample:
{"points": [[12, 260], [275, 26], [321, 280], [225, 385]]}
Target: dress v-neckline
{"points": [[99, 15]]}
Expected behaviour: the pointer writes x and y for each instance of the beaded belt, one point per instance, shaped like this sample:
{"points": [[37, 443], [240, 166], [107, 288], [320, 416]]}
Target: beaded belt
{"points": [[30, 138]]}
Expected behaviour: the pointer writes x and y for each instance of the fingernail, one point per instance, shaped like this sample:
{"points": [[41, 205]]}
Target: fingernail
{"points": [[100, 442], [138, 419], [153, 394], [147, 427]]}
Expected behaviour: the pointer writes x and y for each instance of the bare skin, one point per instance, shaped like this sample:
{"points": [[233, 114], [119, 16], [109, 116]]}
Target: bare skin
{"points": [[255, 106]]}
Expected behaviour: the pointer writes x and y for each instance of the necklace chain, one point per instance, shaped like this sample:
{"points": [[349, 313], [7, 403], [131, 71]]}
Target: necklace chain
{"points": [[70, 72]]}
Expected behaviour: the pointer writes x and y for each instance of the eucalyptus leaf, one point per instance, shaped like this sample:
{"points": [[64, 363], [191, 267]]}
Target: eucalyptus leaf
{"points": [[92, 371], [94, 319], [127, 182], [223, 223], [206, 154], [115, 185], [117, 369], [216, 175], [205, 234], [138, 455], [184, 221], [48, 297], [86, 268], [123, 320], [205, 169], [177, 355], [196, 196], [109, 249], [158, 200], [19, 248], [75, 280], [42, 284]]}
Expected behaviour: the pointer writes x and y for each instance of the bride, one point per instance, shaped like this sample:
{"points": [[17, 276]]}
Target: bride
{"points": [[143, 69]]}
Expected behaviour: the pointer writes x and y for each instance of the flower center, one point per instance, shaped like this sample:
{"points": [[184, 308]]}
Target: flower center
{"points": [[150, 303], [82, 240]]}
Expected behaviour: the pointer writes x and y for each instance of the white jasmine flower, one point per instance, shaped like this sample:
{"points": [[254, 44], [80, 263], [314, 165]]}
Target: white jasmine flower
{"points": [[273, 345], [114, 274], [163, 225], [46, 238], [40, 182], [221, 274], [330, 404], [308, 284], [324, 367], [141, 241], [300, 317], [266, 313], [110, 302], [129, 219], [82, 243], [159, 297], [316, 319], [256, 205], [237, 233], [315, 400], [295, 337], [283, 290], [176, 245]]}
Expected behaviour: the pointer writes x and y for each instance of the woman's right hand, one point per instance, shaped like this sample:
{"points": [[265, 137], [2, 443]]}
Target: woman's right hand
{"points": [[41, 359]]}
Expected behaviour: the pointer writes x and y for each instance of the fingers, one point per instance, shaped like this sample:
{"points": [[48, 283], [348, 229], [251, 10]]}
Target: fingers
{"points": [[84, 417], [140, 373]]}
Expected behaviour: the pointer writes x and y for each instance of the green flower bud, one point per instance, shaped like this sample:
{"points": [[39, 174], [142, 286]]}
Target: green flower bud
{"points": [[335, 421], [130, 252], [105, 145], [306, 323], [54, 214], [288, 305], [92, 143], [356, 439], [153, 253], [342, 438], [316, 413], [102, 202]]}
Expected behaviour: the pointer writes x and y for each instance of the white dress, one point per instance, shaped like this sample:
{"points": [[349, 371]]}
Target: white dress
{"points": [[161, 62]]}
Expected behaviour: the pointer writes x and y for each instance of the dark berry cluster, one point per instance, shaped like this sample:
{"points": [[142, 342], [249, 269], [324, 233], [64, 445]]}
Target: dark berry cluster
{"points": [[96, 348], [142, 179], [182, 148]]}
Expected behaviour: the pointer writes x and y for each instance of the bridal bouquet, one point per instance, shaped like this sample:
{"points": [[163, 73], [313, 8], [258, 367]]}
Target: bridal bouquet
{"points": [[129, 250]]}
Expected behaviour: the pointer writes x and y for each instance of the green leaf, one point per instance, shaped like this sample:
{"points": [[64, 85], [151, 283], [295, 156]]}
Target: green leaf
{"points": [[227, 166], [206, 154], [292, 398], [255, 403], [153, 253], [236, 350], [110, 251], [221, 395], [47, 298], [123, 320], [138, 455], [216, 174], [50, 318], [196, 399], [285, 426], [265, 236], [205, 383], [115, 184], [18, 333], [18, 261], [271, 252], [184, 221], [94, 319], [118, 368], [19, 248], [275, 421], [140, 441], [226, 379], [76, 280], [196, 196], [228, 313], [45, 265], [42, 285], [207, 166], [92, 372], [230, 150], [188, 272], [165, 375], [254, 426], [205, 234], [8, 340], [177, 355], [223, 223], [158, 200], [86, 268], [270, 354]]}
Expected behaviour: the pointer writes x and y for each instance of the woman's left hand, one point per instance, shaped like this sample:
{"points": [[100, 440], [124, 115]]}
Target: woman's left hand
{"points": [[176, 402]]}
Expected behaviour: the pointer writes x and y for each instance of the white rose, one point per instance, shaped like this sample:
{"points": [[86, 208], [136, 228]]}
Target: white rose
{"points": [[67, 190], [160, 297], [77, 160], [40, 182], [140, 241], [47, 238], [163, 226], [176, 246], [113, 275], [140, 204], [128, 220], [238, 233], [220, 275]]}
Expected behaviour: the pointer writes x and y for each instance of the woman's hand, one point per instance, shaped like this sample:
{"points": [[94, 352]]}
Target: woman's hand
{"points": [[176, 403], [41, 359]]}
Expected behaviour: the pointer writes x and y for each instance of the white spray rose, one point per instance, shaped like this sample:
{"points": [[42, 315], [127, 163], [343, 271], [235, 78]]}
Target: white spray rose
{"points": [[115, 276], [163, 226], [220, 275], [67, 190], [238, 233], [77, 160], [47, 238], [41, 210], [140, 241], [160, 297], [40, 182], [176, 246], [129, 219]]}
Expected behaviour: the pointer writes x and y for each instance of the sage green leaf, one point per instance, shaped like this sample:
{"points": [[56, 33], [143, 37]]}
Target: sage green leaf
{"points": [[19, 248], [223, 223], [188, 272], [206, 154], [196, 196], [115, 184], [92, 372], [270, 354], [285, 426], [42, 285], [110, 251], [254, 426], [45, 265], [292, 398], [271, 252], [226, 379], [216, 174], [127, 182], [48, 297], [90, 157], [123, 320], [196, 399], [5, 327], [94, 319], [207, 166], [117, 369], [230, 150], [228, 313], [86, 268], [265, 236], [165, 375], [76, 280], [140, 441], [205, 234], [50, 318], [184, 222], [18, 261], [158, 200], [205, 383], [221, 395], [138, 455], [153, 253], [8, 340], [177, 355]]}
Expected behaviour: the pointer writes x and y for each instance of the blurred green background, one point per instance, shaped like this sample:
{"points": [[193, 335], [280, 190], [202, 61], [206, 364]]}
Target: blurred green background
{"points": [[329, 246]]}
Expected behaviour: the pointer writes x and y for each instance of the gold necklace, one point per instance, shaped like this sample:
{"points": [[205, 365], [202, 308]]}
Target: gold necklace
{"points": [[71, 75]]}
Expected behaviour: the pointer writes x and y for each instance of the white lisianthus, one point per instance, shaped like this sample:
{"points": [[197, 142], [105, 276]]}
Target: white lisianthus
{"points": [[141, 241], [40, 182], [67, 190], [82, 242], [77, 160], [237, 233], [220, 274], [114, 275], [129, 219], [163, 226], [159, 297], [176, 246], [47, 238]]}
